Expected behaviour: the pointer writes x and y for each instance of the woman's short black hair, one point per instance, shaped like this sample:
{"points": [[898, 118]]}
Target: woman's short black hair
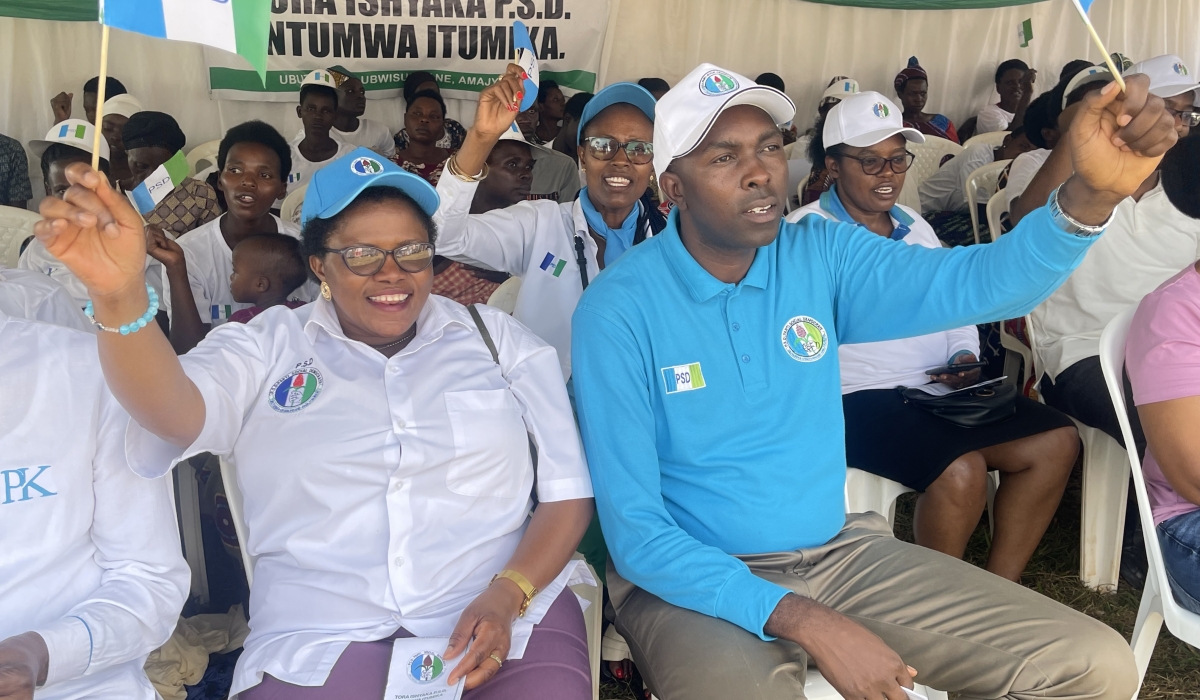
{"points": [[1072, 68], [1042, 114], [655, 84], [544, 88], [261, 133], [1181, 177], [436, 97], [415, 80], [770, 80], [112, 87], [1010, 64], [62, 151], [816, 147], [577, 102], [314, 238], [329, 92]]}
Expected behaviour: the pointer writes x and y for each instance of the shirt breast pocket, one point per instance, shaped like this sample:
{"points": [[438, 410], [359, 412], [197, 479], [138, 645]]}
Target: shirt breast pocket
{"points": [[491, 445]]}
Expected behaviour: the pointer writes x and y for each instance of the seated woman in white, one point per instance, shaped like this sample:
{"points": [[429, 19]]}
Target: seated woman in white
{"points": [[383, 449], [91, 578], [864, 149]]}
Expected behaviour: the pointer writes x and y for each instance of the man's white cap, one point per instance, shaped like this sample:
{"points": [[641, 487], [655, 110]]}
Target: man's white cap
{"points": [[841, 89], [864, 120], [320, 77], [514, 134], [685, 115], [1091, 74], [71, 132], [1168, 76], [125, 105]]}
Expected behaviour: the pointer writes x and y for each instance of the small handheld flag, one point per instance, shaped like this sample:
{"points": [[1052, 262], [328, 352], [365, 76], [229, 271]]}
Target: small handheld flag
{"points": [[527, 60], [1025, 33], [236, 26], [1083, 6], [160, 183]]}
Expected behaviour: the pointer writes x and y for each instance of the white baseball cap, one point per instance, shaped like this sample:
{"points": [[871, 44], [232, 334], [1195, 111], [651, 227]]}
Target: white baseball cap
{"points": [[514, 134], [685, 115], [324, 78], [1168, 75], [841, 89], [125, 105], [77, 133], [864, 120], [1091, 74]]}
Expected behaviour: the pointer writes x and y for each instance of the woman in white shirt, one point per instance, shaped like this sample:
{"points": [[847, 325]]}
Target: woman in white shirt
{"points": [[864, 150], [383, 450]]}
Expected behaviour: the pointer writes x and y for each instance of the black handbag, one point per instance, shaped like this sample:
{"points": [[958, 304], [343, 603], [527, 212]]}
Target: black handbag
{"points": [[969, 408]]}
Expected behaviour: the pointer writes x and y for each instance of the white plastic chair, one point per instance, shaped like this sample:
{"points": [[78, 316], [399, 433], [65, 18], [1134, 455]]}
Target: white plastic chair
{"points": [[293, 204], [997, 206], [202, 156], [983, 179], [995, 139], [1158, 603], [929, 159], [15, 226], [505, 296], [866, 493], [187, 505]]}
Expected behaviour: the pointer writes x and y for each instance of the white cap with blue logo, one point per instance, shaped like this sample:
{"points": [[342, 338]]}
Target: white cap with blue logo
{"points": [[70, 132], [864, 120], [1168, 76], [1091, 74], [685, 115], [335, 186]]}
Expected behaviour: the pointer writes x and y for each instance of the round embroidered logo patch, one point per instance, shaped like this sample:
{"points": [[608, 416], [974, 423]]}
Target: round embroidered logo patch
{"points": [[881, 110], [426, 667], [717, 82], [296, 390], [1180, 69], [366, 166], [805, 339]]}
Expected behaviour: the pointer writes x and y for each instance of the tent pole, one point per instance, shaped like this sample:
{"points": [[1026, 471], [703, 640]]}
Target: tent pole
{"points": [[100, 97]]}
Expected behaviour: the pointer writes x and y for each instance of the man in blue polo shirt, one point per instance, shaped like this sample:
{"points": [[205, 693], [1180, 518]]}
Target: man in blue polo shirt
{"points": [[706, 376]]}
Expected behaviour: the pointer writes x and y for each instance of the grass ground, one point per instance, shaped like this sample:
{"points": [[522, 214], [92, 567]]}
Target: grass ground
{"points": [[1054, 571]]}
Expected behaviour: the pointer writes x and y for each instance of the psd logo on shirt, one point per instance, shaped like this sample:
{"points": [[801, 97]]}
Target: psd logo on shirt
{"points": [[805, 339], [683, 378], [296, 390], [426, 667]]}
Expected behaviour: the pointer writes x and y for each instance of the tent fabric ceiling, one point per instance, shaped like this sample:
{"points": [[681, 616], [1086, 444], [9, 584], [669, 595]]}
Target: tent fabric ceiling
{"points": [[86, 10]]}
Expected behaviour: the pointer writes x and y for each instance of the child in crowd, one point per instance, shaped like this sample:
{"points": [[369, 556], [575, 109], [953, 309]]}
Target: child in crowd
{"points": [[267, 270], [314, 147]]}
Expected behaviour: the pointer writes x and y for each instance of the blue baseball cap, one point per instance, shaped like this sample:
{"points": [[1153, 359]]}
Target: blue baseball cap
{"points": [[617, 93], [335, 186]]}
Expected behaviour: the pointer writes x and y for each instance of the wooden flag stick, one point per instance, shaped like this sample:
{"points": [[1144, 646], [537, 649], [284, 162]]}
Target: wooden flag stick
{"points": [[1112, 67], [100, 97]]}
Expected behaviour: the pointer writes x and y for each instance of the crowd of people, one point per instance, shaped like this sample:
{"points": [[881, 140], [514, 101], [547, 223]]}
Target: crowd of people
{"points": [[689, 367]]}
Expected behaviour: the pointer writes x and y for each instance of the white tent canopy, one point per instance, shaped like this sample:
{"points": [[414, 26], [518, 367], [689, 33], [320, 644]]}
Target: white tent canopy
{"points": [[805, 43]]}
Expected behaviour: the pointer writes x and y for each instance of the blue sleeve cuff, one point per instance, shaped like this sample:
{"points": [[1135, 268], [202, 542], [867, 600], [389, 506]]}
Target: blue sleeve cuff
{"points": [[747, 601]]}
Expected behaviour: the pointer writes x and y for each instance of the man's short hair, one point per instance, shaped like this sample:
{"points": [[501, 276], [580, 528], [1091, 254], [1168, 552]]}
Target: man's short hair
{"points": [[654, 84], [1041, 114], [578, 101], [306, 90], [1010, 64], [112, 87], [1181, 177], [256, 132], [544, 89], [61, 151], [278, 254], [435, 96], [1071, 69], [770, 80]]}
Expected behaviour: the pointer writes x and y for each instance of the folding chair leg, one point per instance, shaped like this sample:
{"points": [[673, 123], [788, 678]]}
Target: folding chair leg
{"points": [[1146, 629], [1105, 487]]}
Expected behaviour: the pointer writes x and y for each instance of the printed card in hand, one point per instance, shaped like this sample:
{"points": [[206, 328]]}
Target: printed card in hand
{"points": [[419, 672]]}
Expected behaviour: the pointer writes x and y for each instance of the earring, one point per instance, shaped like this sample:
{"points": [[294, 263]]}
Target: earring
{"points": [[326, 293]]}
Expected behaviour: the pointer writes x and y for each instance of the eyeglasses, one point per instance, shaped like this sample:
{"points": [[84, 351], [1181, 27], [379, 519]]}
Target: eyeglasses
{"points": [[605, 148], [874, 165], [366, 260], [1188, 117]]}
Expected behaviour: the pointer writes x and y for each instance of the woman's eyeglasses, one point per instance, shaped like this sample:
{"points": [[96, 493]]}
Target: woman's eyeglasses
{"points": [[1189, 117], [605, 148], [874, 165], [366, 260]]}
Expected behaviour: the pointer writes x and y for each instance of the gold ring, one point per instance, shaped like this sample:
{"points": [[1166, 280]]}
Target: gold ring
{"points": [[497, 659]]}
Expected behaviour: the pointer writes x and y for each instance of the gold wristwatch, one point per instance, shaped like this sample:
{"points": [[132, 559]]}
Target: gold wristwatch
{"points": [[523, 583]]}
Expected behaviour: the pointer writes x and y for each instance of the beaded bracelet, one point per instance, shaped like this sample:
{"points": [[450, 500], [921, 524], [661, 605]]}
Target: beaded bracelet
{"points": [[133, 326]]}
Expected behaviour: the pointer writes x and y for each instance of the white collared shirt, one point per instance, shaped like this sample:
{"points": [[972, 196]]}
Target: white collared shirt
{"points": [[1148, 243], [379, 493], [303, 168], [946, 190], [91, 551], [903, 362], [531, 240], [1024, 168], [37, 297], [209, 266], [38, 259]]}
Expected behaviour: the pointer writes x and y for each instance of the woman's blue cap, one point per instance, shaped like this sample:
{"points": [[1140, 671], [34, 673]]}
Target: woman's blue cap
{"points": [[335, 186], [617, 93]]}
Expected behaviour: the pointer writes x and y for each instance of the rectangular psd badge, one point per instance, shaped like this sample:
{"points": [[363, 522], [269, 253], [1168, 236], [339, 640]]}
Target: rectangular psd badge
{"points": [[683, 378]]}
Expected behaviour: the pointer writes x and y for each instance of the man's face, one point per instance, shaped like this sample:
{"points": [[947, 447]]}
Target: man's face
{"points": [[733, 186], [89, 106], [145, 160], [1180, 105], [1015, 146], [317, 112], [1009, 86], [915, 95], [527, 121], [56, 175], [554, 106], [111, 130], [510, 173], [352, 98]]}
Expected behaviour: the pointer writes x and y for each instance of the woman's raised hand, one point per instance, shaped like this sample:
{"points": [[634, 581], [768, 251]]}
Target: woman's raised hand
{"points": [[96, 233], [499, 103]]}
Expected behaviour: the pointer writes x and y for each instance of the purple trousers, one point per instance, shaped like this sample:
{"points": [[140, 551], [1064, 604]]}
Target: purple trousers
{"points": [[555, 666]]}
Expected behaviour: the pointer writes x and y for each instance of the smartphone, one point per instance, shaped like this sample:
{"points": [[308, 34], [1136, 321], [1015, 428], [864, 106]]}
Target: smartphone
{"points": [[955, 369]]}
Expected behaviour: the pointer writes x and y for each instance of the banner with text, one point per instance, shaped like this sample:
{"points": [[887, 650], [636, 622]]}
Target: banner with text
{"points": [[464, 43]]}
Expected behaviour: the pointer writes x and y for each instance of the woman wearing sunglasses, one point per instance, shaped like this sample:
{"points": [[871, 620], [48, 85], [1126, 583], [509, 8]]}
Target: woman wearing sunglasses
{"points": [[864, 147], [556, 248], [382, 440]]}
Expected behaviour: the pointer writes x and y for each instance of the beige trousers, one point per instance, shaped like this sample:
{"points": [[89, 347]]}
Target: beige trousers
{"points": [[963, 629]]}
